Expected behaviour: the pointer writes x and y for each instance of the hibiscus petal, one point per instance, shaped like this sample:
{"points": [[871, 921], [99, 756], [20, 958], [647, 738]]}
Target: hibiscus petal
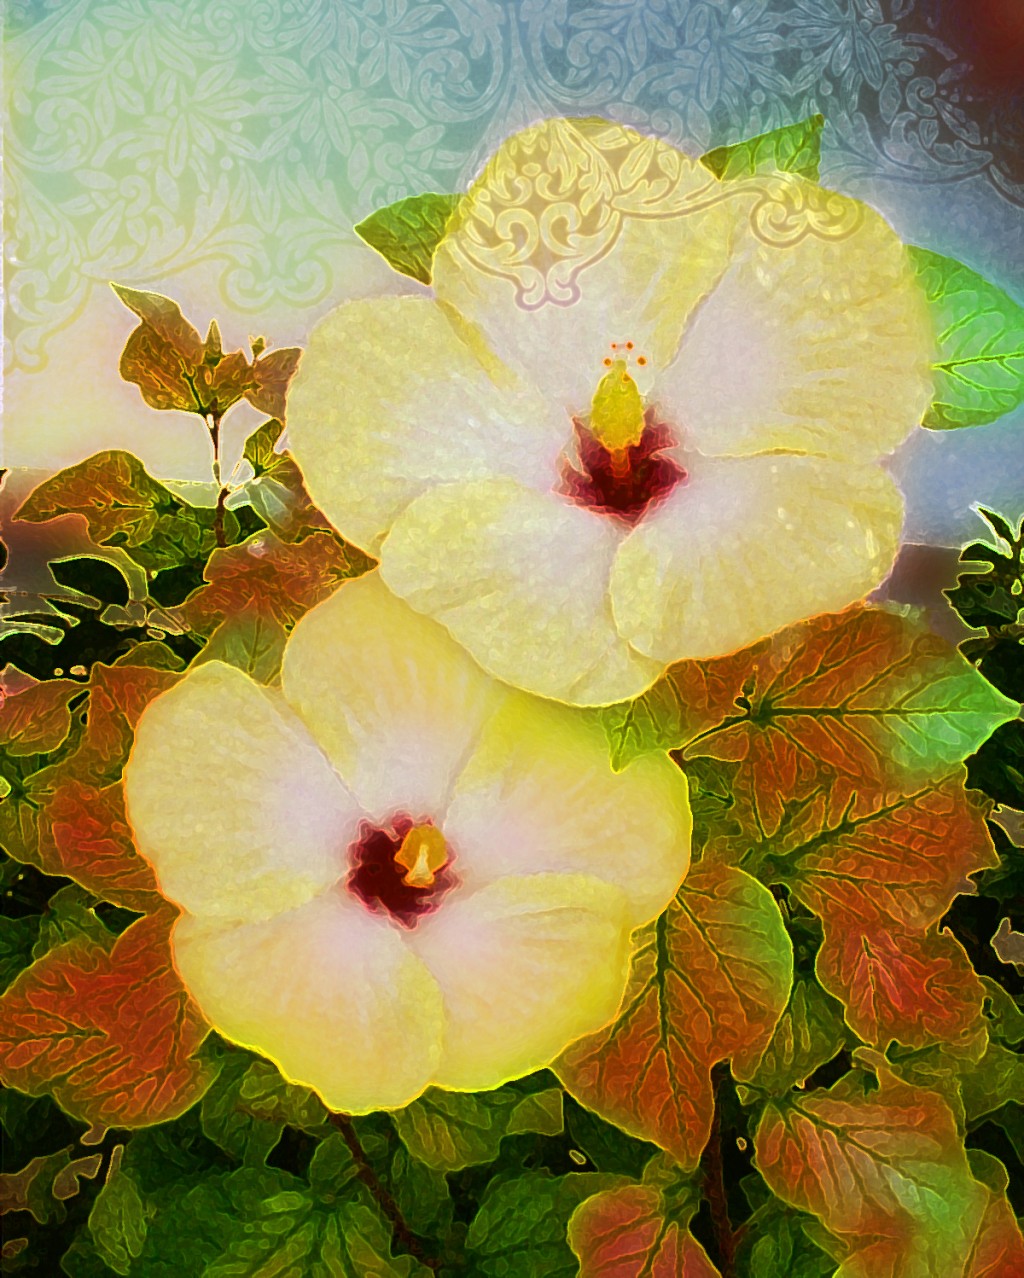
{"points": [[388, 401], [232, 801], [539, 795], [395, 703], [525, 966], [749, 545], [328, 992], [520, 578], [821, 344], [579, 233]]}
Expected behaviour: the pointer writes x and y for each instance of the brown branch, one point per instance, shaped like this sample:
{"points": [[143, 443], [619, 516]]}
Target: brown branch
{"points": [[383, 1199], [714, 1191], [213, 425]]}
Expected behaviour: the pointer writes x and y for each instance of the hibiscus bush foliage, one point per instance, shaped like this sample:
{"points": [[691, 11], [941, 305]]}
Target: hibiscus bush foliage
{"points": [[817, 1065]]}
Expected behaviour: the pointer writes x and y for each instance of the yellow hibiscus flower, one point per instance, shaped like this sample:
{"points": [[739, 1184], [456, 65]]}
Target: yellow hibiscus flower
{"points": [[639, 420], [394, 871]]}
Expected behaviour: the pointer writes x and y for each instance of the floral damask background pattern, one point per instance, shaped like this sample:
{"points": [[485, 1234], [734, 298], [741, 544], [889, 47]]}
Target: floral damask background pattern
{"points": [[224, 150]]}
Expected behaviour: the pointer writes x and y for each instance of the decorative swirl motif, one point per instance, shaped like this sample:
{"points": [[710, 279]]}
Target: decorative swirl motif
{"points": [[145, 138], [787, 212], [555, 199]]}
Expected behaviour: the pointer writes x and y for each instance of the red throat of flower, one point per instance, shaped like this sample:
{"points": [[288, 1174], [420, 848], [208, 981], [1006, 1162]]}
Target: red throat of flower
{"points": [[402, 869], [623, 482]]}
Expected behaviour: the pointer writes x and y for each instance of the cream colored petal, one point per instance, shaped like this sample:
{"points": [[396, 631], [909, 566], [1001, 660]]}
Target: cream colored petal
{"points": [[520, 578], [328, 992], [388, 401], [394, 701], [749, 545], [232, 801], [580, 233], [525, 966], [539, 795], [812, 342]]}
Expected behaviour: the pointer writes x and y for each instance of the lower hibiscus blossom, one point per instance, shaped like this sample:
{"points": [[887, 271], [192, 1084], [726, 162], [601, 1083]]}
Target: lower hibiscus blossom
{"points": [[394, 871]]}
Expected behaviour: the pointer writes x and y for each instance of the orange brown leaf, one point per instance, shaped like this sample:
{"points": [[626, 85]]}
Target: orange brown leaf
{"points": [[272, 375], [625, 1233], [858, 700], [37, 719], [916, 988], [85, 835], [884, 1170], [108, 1030], [710, 979], [265, 574]]}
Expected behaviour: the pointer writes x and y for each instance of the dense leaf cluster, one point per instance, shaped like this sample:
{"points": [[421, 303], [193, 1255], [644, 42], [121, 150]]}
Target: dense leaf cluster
{"points": [[818, 1060]]}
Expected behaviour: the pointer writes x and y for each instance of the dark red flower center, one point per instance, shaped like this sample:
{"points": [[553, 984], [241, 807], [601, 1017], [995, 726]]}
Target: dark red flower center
{"points": [[623, 483], [379, 880]]}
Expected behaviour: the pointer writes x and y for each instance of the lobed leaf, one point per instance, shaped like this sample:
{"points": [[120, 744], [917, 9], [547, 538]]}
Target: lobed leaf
{"points": [[641, 1231], [710, 979], [866, 698], [885, 1171], [796, 148], [406, 234], [979, 372], [107, 1029]]}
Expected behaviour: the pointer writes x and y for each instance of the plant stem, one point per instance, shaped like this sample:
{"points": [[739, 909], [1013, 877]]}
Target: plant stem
{"points": [[213, 425], [383, 1199], [714, 1190]]}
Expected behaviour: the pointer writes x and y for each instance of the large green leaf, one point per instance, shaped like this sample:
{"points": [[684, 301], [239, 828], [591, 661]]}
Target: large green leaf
{"points": [[979, 372], [407, 233], [793, 149]]}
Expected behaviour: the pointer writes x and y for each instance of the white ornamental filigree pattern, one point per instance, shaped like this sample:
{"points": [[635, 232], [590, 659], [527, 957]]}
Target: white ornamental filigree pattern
{"points": [[147, 137]]}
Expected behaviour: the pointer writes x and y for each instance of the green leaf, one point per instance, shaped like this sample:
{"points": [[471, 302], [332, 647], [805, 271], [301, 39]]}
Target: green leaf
{"points": [[1003, 1011], [972, 1088], [17, 938], [69, 916], [124, 506], [406, 234], [979, 372], [252, 641], [448, 1130], [776, 1245], [277, 491], [120, 1218], [811, 1032], [793, 149], [521, 1225], [229, 1122]]}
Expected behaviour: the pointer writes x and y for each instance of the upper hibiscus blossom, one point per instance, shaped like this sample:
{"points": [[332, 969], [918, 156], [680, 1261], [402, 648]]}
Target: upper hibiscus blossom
{"points": [[640, 419], [393, 870]]}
